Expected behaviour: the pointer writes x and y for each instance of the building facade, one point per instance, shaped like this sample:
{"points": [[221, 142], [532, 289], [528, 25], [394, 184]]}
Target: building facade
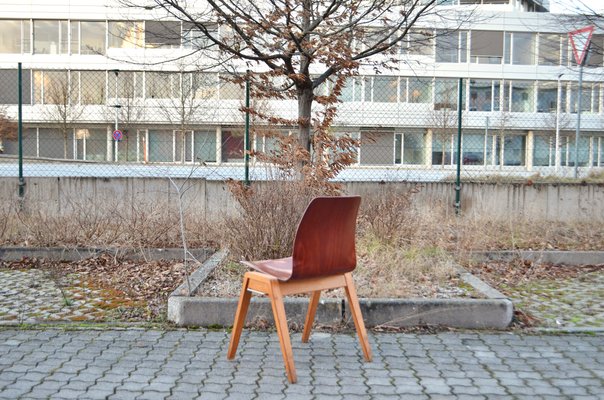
{"points": [[88, 71]]}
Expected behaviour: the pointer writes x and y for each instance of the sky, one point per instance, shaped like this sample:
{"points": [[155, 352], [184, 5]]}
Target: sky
{"points": [[570, 6]]}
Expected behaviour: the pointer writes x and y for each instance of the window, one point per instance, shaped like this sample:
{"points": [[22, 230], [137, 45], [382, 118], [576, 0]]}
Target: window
{"points": [[590, 97], [595, 55], [161, 145], [451, 47], [125, 35], [444, 145], [162, 85], [204, 146], [484, 95], [547, 96], [50, 37], [384, 89], [204, 86], [52, 87], [128, 149], [419, 42], [473, 149], [162, 34], [14, 36], [55, 143], [347, 94], [232, 145], [543, 151], [446, 93], [91, 144], [92, 87], [231, 91], [523, 48], [419, 90], [10, 94], [514, 147], [522, 96], [193, 37], [409, 148], [549, 49], [377, 148], [92, 37], [486, 47], [129, 85]]}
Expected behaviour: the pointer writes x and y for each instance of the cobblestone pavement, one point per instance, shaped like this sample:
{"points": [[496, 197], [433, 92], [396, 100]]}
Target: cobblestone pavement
{"points": [[563, 303], [31, 296], [146, 364]]}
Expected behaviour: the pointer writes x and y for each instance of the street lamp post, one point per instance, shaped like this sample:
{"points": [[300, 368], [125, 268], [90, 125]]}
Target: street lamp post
{"points": [[558, 106]]}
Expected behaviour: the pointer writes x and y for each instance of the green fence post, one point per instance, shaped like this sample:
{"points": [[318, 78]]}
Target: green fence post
{"points": [[20, 134], [459, 158], [246, 155]]}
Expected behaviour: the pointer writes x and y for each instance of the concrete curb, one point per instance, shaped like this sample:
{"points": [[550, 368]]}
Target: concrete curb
{"points": [[80, 253], [494, 312]]}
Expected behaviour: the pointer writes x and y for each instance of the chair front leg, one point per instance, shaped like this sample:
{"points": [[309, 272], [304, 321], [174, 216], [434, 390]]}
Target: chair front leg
{"points": [[357, 317], [282, 330], [242, 307], [310, 314]]}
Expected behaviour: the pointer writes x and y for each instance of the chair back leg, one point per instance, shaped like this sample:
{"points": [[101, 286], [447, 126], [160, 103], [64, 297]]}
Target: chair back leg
{"points": [[242, 307], [357, 317], [282, 329], [310, 314]]}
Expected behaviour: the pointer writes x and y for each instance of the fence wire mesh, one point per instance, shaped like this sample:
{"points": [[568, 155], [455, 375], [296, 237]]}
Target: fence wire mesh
{"points": [[134, 123]]}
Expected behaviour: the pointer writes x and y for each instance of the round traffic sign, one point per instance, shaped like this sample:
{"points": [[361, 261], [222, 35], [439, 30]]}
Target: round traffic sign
{"points": [[118, 135]]}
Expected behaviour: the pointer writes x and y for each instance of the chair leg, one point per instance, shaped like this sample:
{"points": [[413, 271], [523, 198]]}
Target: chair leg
{"points": [[282, 330], [310, 314], [357, 317], [242, 307]]}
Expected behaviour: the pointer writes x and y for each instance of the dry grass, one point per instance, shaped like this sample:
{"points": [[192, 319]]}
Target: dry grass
{"points": [[143, 224]]}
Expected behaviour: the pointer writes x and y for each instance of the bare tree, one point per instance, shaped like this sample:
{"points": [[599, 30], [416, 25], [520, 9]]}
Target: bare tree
{"points": [[62, 105], [299, 45]]}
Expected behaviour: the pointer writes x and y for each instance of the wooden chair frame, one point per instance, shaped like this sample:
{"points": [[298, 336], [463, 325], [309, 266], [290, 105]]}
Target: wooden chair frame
{"points": [[276, 290], [339, 259]]}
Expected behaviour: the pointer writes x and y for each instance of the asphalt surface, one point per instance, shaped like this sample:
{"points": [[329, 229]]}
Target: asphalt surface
{"points": [[180, 364]]}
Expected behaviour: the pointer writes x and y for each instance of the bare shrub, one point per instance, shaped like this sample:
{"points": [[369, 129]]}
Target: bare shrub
{"points": [[268, 217], [390, 215]]}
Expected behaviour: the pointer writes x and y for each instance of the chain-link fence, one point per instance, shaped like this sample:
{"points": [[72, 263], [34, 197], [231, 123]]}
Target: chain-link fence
{"points": [[140, 123]]}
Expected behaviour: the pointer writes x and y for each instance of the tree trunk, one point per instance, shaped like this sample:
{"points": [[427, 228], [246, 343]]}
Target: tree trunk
{"points": [[305, 99]]}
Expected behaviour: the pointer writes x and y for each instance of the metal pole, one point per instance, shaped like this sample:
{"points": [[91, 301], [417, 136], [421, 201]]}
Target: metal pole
{"points": [[458, 181], [578, 131], [247, 131], [558, 106], [20, 134]]}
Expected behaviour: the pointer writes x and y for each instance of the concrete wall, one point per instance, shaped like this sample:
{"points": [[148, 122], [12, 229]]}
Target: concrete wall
{"points": [[564, 202]]}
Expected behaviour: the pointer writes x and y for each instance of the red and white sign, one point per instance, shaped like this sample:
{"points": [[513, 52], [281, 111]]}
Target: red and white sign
{"points": [[579, 40]]}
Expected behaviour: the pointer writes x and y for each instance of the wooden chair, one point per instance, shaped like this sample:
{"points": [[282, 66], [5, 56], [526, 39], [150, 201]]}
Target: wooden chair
{"points": [[323, 258]]}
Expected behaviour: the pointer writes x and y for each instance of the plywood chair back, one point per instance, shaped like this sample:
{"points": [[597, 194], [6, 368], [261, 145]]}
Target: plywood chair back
{"points": [[325, 239]]}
